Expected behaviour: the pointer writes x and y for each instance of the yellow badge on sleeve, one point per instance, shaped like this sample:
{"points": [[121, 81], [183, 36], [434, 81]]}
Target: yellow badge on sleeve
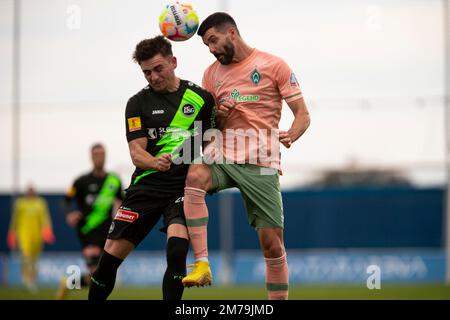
{"points": [[134, 124], [71, 192]]}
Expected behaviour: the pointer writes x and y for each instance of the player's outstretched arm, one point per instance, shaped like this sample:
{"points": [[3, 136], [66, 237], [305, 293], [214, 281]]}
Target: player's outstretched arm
{"points": [[72, 216], [144, 160], [11, 238], [299, 125]]}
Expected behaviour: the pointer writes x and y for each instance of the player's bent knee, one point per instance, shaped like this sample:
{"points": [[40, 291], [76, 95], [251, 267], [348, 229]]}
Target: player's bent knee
{"points": [[272, 247], [177, 230], [92, 250], [274, 251], [119, 248], [199, 176]]}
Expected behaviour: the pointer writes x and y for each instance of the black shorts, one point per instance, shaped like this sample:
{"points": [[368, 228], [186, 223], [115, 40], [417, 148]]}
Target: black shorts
{"points": [[140, 212], [96, 237]]}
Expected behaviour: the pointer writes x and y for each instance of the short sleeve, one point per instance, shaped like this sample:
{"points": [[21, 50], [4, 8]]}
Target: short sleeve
{"points": [[119, 193], [133, 120], [287, 82], [207, 82], [207, 114], [73, 189]]}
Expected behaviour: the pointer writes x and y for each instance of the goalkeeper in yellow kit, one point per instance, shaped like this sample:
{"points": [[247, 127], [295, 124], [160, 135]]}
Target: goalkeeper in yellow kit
{"points": [[30, 226]]}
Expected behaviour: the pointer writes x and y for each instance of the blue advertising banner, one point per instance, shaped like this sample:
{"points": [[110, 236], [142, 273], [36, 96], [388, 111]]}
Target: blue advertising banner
{"points": [[248, 267]]}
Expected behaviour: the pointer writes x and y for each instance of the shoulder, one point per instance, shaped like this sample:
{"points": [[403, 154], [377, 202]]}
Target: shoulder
{"points": [[143, 93], [41, 200], [83, 179], [211, 69], [270, 58], [114, 175], [202, 92], [20, 201], [140, 96]]}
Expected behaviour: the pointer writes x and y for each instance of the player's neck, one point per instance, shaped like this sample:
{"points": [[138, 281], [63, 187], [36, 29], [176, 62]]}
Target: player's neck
{"points": [[243, 51], [98, 172], [174, 85]]}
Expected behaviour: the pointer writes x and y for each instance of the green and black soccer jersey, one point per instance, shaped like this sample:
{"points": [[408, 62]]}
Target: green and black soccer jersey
{"points": [[95, 198], [173, 123]]}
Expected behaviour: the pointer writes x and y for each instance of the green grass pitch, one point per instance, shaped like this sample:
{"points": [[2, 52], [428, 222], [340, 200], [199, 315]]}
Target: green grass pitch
{"points": [[298, 292]]}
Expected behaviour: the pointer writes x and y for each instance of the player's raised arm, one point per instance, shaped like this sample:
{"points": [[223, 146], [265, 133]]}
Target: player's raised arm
{"points": [[144, 160], [46, 224], [11, 238]]}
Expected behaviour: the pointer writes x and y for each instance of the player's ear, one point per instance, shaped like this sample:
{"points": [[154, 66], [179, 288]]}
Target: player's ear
{"points": [[232, 32], [174, 62]]}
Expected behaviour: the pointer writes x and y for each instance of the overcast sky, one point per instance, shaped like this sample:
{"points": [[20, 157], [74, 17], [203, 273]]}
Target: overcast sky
{"points": [[372, 73]]}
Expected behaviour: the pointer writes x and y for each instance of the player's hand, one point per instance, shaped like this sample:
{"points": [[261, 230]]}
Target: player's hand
{"points": [[163, 162], [225, 107], [285, 138], [73, 217], [47, 235], [11, 240]]}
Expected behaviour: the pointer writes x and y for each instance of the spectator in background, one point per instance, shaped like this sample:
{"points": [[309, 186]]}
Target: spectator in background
{"points": [[30, 226]]}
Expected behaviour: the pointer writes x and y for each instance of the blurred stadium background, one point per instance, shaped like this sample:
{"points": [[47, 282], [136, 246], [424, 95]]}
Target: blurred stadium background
{"points": [[366, 185]]}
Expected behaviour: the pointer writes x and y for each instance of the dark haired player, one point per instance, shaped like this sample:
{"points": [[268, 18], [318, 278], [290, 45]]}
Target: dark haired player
{"points": [[249, 86], [161, 122]]}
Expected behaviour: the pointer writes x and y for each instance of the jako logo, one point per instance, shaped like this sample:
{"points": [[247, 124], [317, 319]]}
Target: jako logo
{"points": [[188, 110], [374, 280]]}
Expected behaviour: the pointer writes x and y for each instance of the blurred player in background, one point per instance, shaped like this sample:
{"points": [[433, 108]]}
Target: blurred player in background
{"points": [[162, 121], [98, 195], [248, 86], [30, 226]]}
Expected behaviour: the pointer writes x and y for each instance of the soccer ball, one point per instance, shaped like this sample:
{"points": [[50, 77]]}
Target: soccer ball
{"points": [[178, 21]]}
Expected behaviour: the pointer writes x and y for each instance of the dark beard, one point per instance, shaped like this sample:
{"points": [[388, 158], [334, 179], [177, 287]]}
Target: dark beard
{"points": [[227, 57]]}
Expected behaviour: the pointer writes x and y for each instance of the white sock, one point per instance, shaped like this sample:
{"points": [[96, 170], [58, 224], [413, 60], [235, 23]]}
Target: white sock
{"points": [[205, 259]]}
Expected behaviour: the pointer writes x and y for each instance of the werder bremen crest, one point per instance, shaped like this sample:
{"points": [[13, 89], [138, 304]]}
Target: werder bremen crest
{"points": [[255, 77], [235, 94]]}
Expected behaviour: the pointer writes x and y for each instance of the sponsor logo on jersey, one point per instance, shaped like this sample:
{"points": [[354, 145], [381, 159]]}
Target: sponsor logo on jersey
{"points": [[188, 110], [134, 124], [293, 80], [255, 77], [218, 83], [89, 199], [124, 215], [236, 95], [191, 84], [157, 112], [152, 134]]}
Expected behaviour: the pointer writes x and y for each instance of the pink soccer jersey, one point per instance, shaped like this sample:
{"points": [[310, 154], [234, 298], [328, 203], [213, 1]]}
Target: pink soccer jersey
{"points": [[257, 85]]}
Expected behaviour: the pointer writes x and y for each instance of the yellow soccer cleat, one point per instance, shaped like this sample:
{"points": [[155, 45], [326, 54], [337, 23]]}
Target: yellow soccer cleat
{"points": [[199, 276]]}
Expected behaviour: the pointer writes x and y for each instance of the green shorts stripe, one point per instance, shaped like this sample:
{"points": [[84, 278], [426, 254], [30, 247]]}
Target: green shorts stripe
{"points": [[197, 222], [277, 286]]}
